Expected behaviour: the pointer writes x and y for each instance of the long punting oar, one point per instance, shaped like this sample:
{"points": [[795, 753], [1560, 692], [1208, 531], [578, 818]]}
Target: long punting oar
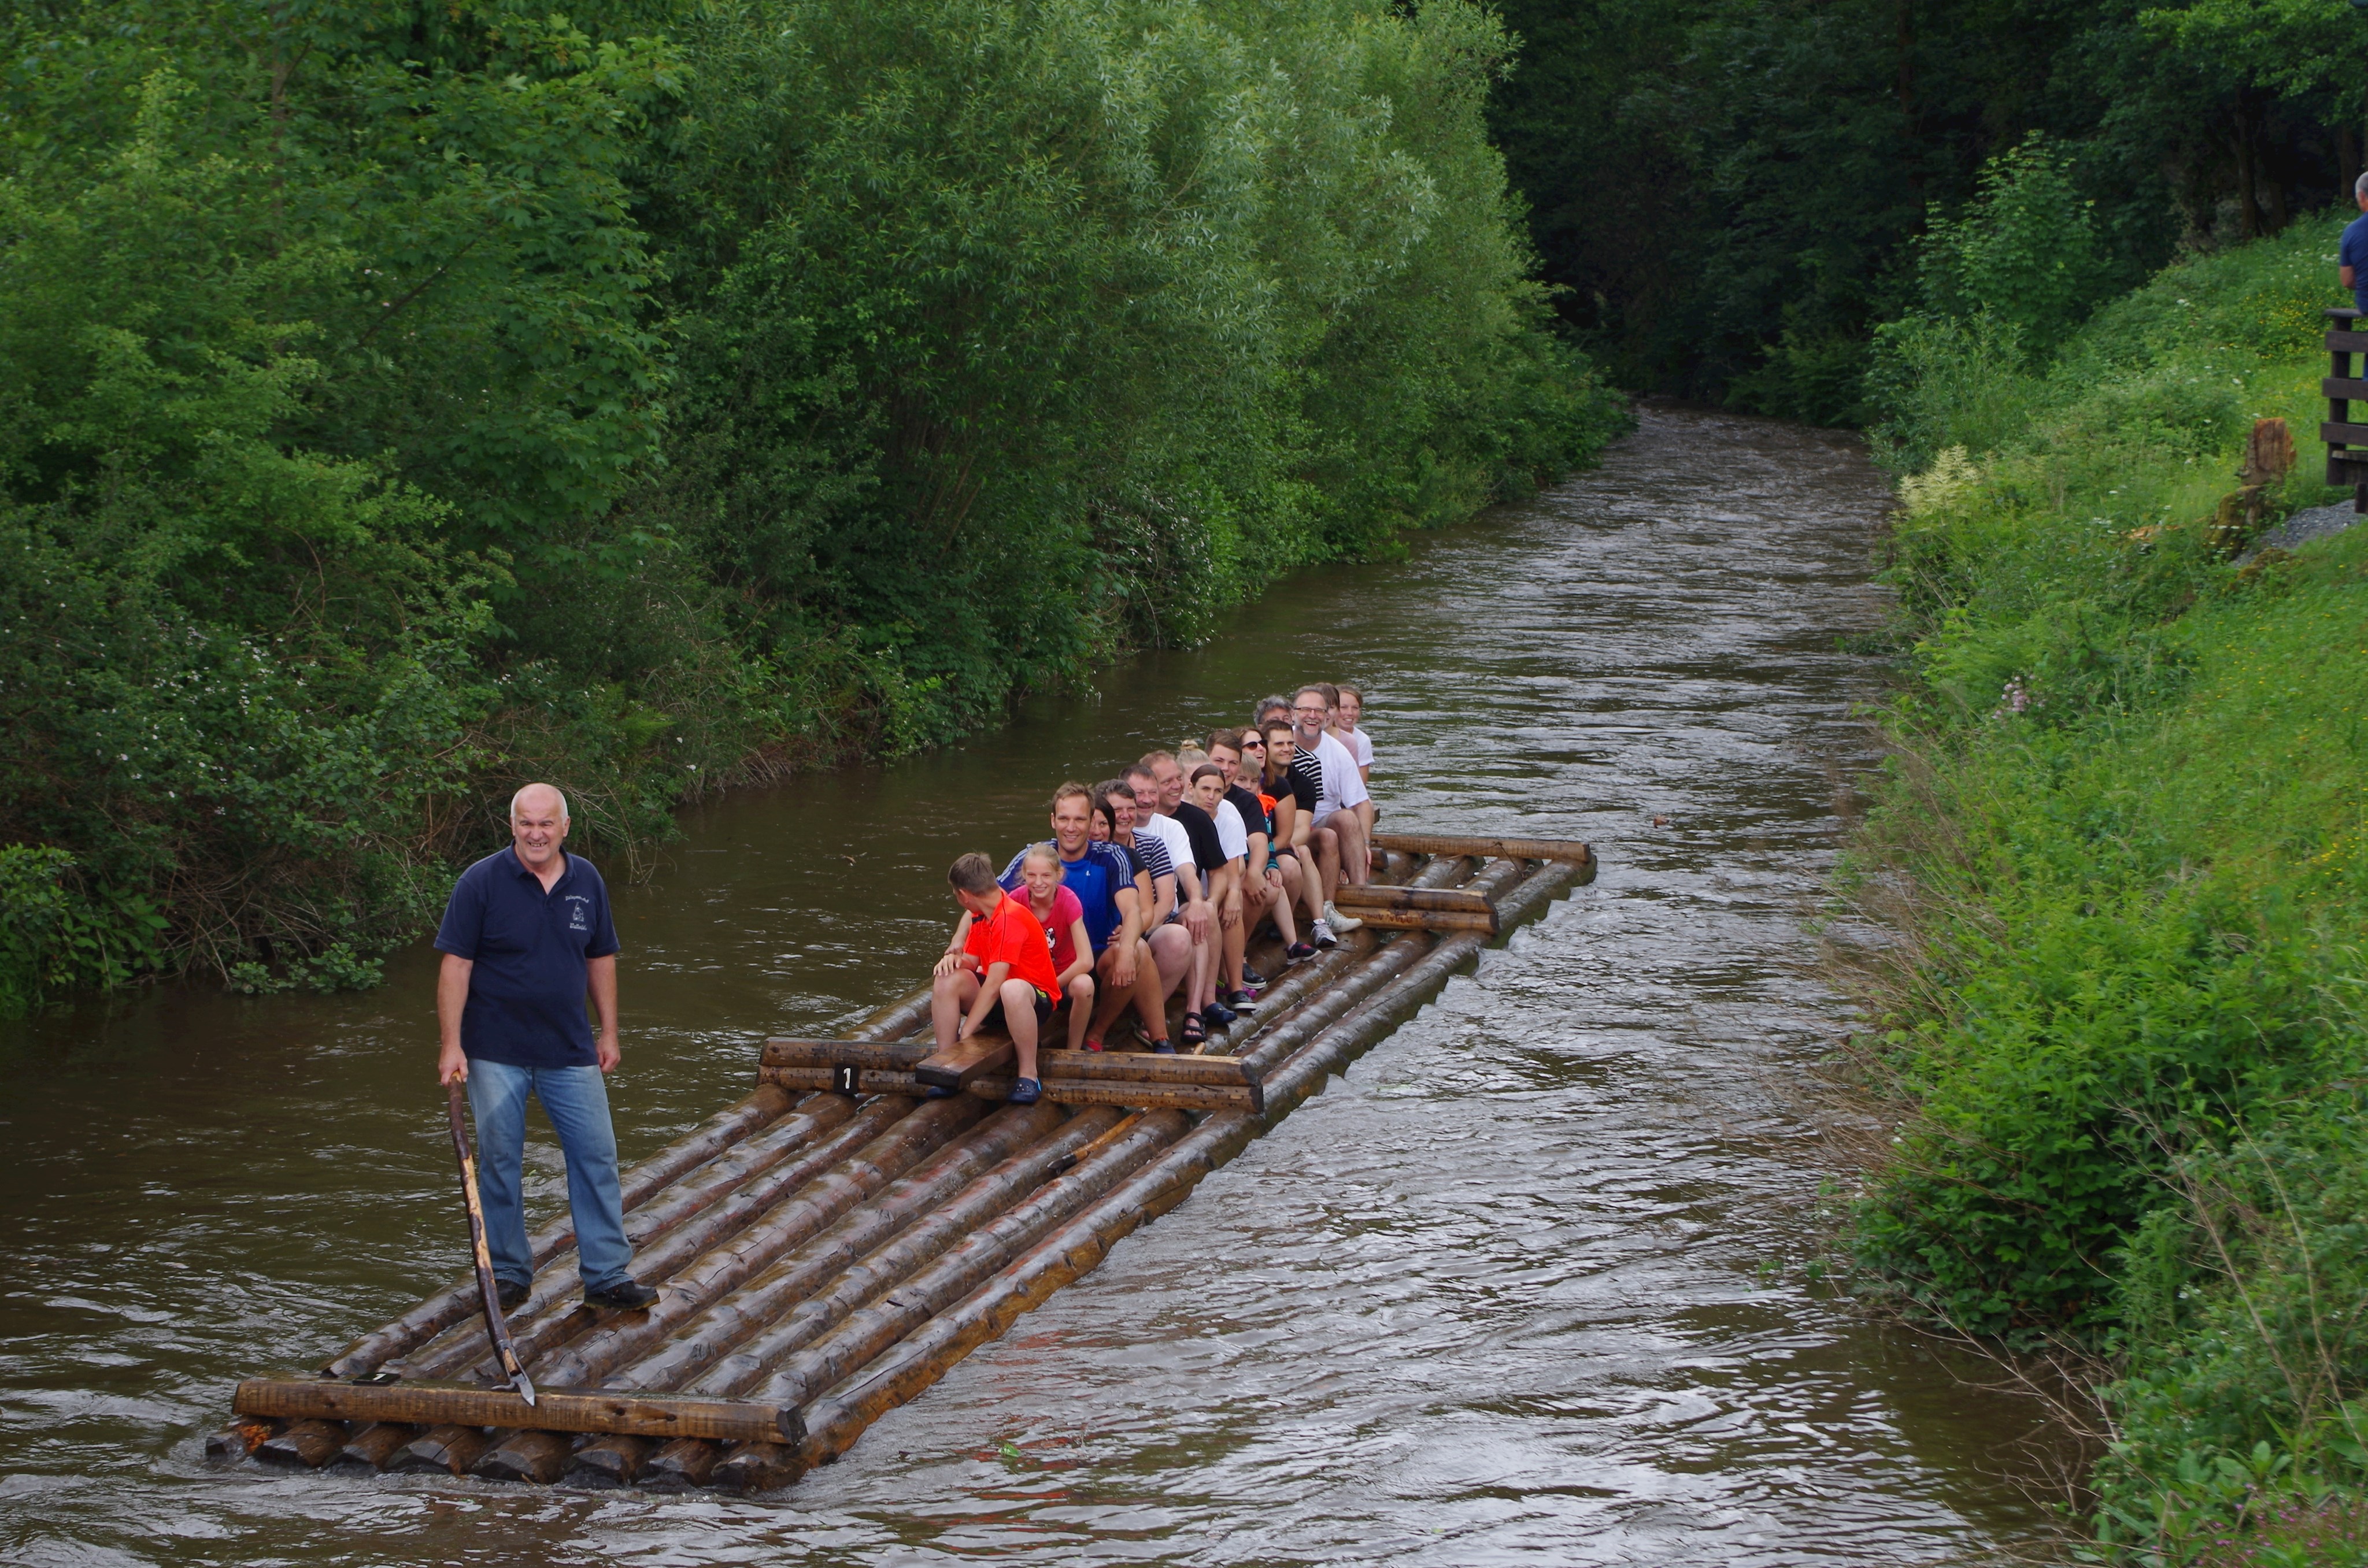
{"points": [[487, 1293]]}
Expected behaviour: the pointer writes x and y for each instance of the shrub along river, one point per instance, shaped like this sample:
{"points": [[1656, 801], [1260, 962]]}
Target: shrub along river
{"points": [[1531, 1283]]}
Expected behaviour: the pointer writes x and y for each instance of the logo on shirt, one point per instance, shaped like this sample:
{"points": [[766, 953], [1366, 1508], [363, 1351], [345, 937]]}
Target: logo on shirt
{"points": [[578, 912]]}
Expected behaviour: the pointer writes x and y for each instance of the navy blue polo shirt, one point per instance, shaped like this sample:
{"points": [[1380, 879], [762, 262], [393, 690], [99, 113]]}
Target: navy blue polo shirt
{"points": [[526, 994], [2352, 252]]}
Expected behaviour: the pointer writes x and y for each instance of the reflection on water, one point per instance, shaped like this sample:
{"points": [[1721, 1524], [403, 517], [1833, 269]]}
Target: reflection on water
{"points": [[1526, 1285]]}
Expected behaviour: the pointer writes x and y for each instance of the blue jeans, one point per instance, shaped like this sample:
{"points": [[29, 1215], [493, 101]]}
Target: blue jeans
{"points": [[577, 1101]]}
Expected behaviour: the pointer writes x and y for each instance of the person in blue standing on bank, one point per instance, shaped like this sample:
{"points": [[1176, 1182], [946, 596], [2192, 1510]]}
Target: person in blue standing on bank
{"points": [[2351, 255], [527, 936]]}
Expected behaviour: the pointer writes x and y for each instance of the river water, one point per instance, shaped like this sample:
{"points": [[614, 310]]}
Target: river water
{"points": [[1531, 1284]]}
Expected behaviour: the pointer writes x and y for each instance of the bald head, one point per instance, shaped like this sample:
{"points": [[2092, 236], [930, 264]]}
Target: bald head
{"points": [[538, 801]]}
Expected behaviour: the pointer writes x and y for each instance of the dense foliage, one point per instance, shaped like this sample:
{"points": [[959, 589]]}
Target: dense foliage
{"points": [[1733, 191], [2125, 839], [397, 401]]}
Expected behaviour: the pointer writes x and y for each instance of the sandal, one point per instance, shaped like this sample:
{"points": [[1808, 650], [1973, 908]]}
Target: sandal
{"points": [[1195, 1030], [1092, 1044]]}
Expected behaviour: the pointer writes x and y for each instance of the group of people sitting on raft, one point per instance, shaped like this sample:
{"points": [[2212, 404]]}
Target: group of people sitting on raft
{"points": [[1156, 879]]}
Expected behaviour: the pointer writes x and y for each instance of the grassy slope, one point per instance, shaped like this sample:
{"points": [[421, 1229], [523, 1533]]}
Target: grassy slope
{"points": [[2130, 817]]}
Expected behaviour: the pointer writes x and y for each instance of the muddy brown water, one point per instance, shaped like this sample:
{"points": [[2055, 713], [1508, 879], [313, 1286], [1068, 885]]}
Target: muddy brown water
{"points": [[1531, 1284]]}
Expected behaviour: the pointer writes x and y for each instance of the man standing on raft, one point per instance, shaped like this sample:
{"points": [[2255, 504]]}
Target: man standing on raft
{"points": [[526, 935]]}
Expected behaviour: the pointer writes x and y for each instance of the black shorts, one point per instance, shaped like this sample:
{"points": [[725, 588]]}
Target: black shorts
{"points": [[994, 1019]]}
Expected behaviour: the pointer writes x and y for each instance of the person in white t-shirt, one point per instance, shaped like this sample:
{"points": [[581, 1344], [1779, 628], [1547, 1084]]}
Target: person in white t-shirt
{"points": [[1351, 712], [1343, 850]]}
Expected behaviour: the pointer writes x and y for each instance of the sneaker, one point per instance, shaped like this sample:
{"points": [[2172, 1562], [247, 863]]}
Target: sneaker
{"points": [[625, 1296], [1299, 952], [1093, 1045], [1163, 1048], [1239, 1001], [1252, 980], [1027, 1091], [511, 1295], [1323, 935], [1218, 1015], [1340, 922]]}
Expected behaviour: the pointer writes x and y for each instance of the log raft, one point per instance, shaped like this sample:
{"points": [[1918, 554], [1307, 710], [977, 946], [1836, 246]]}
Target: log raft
{"points": [[830, 1246]]}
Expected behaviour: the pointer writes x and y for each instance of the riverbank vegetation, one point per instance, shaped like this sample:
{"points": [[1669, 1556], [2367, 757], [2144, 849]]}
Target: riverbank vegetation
{"points": [[399, 402], [2125, 841]]}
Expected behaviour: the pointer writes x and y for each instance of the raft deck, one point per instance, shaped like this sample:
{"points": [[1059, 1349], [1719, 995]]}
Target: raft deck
{"points": [[828, 1247]]}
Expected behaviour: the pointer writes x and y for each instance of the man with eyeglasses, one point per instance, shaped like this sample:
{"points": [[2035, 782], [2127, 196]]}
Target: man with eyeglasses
{"points": [[1342, 851]]}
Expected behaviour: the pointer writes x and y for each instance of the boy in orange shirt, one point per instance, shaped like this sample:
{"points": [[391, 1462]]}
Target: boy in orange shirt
{"points": [[997, 970]]}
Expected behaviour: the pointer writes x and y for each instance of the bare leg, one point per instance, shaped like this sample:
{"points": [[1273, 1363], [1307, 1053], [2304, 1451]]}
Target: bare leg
{"points": [[1279, 905], [1171, 960], [1018, 1000], [1081, 1008], [1237, 937], [1109, 996], [950, 997], [1356, 849], [1325, 841]]}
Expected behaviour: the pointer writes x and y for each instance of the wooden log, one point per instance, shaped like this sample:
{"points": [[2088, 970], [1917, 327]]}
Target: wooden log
{"points": [[1059, 1091], [590, 1358], [611, 1460], [762, 1466], [1481, 920], [838, 1416], [683, 1465], [1486, 848], [828, 1287], [956, 1066], [1456, 901], [976, 1257], [457, 1302], [241, 1437], [1535, 892], [1054, 1062], [708, 1337], [538, 1456], [470, 1405], [552, 1316], [2343, 433], [307, 1444], [898, 1019], [452, 1448], [374, 1443]]}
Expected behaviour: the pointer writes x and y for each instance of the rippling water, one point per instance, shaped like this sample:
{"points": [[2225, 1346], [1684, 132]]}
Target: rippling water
{"points": [[1527, 1285]]}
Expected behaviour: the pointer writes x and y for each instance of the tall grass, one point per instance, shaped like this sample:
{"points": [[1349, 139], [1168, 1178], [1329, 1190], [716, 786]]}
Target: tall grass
{"points": [[2128, 836]]}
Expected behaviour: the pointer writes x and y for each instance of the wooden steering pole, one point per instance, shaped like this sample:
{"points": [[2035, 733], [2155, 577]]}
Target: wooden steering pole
{"points": [[488, 1293]]}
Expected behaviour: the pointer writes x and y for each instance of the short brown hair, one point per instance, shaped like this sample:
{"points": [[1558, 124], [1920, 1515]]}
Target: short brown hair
{"points": [[1229, 739], [1065, 790], [1207, 770], [972, 873]]}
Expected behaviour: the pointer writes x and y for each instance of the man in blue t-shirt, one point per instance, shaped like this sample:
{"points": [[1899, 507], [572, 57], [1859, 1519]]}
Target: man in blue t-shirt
{"points": [[2353, 252], [1103, 879], [527, 935]]}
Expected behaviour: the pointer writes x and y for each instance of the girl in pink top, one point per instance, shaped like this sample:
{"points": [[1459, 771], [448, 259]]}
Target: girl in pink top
{"points": [[1064, 918]]}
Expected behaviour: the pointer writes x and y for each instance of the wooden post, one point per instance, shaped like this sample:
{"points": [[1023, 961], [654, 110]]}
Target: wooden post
{"points": [[2345, 466]]}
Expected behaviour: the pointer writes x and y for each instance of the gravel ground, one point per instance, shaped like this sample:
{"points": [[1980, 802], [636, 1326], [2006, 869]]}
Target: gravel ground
{"points": [[2304, 526]]}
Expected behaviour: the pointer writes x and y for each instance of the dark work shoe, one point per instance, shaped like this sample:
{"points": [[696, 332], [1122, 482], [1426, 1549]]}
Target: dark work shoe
{"points": [[1252, 980], [1218, 1015], [1027, 1091], [1239, 1001], [511, 1295], [626, 1296], [1163, 1048]]}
